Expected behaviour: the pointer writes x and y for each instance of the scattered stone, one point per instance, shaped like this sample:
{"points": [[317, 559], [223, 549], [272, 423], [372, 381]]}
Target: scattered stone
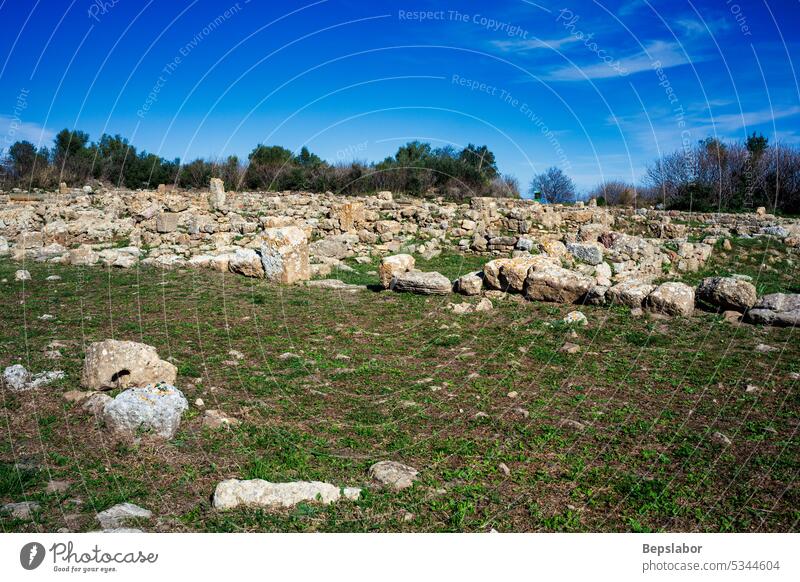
{"points": [[513, 394], [234, 493], [22, 275], [393, 474], [465, 308], [570, 348], [504, 469], [288, 356], [22, 510], [156, 408], [119, 364], [721, 439], [765, 349], [57, 486], [573, 424], [121, 514], [215, 419]]}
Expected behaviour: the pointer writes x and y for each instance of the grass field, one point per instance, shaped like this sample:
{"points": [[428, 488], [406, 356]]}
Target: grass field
{"points": [[391, 376]]}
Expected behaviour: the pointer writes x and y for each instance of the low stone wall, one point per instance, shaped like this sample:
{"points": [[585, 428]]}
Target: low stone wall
{"points": [[208, 229]]}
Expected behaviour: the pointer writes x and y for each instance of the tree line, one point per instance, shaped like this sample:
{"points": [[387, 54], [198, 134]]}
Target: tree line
{"points": [[711, 176], [417, 168]]}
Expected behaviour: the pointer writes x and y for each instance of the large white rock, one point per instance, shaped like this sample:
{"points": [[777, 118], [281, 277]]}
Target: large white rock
{"points": [[672, 298], [284, 255], [113, 363], [156, 409], [557, 284], [259, 493]]}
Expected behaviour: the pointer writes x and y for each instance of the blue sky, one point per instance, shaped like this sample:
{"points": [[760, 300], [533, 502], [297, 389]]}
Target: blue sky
{"points": [[597, 88]]}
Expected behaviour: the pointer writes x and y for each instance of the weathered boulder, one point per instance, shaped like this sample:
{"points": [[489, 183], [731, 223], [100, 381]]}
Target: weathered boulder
{"points": [[394, 265], [631, 293], [780, 309], [22, 275], [393, 474], [233, 493], [727, 293], [424, 283], [284, 255], [672, 298], [246, 262], [557, 284], [156, 408], [113, 363]]}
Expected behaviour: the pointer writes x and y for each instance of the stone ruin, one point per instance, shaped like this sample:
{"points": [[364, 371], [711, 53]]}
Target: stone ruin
{"points": [[580, 253]]}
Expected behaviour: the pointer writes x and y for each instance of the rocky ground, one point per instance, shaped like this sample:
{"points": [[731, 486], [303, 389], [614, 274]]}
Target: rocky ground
{"points": [[311, 362]]}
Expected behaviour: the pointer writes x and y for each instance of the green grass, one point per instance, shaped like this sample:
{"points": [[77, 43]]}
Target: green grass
{"points": [[648, 394]]}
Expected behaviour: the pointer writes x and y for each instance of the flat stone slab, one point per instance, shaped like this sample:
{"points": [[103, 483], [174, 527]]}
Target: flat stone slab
{"points": [[234, 493], [115, 518], [428, 283]]}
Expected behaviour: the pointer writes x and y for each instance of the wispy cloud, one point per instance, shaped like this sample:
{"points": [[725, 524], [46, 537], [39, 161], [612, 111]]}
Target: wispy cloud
{"points": [[667, 54], [520, 45], [694, 27], [731, 122]]}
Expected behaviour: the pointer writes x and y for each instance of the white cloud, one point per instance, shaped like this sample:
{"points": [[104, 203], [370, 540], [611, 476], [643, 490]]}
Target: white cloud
{"points": [[667, 54], [12, 129]]}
